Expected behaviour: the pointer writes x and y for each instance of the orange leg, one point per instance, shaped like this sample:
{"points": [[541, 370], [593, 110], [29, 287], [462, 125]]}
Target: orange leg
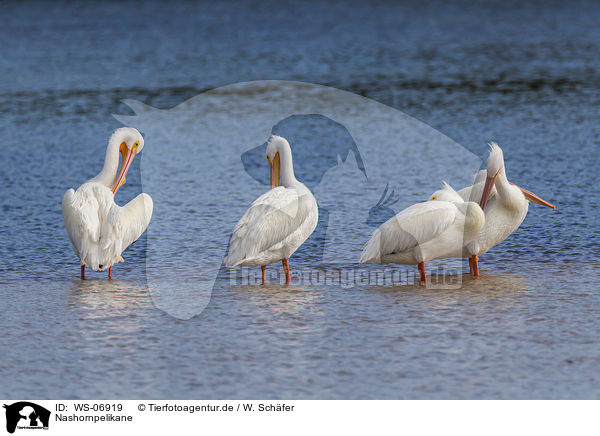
{"points": [[109, 272], [474, 265], [263, 269], [82, 272], [286, 269], [421, 266]]}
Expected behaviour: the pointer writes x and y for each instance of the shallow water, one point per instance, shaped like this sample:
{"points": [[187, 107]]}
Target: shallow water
{"points": [[528, 328]]}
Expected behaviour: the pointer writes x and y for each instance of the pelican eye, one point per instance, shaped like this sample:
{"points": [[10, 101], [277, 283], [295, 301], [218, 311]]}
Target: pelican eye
{"points": [[433, 197], [135, 146]]}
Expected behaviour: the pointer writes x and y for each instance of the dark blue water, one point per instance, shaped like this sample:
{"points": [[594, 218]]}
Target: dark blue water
{"points": [[524, 76]]}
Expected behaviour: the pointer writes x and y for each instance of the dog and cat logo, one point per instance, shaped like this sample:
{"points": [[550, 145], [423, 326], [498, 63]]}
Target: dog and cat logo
{"points": [[26, 415]]}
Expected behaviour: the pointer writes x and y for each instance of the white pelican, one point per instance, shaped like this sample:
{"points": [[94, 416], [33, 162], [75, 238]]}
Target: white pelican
{"points": [[99, 229], [279, 221], [505, 206], [434, 229]]}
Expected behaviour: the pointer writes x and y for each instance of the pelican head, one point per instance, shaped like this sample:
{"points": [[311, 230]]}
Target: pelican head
{"points": [[130, 143], [447, 193], [275, 147], [495, 167]]}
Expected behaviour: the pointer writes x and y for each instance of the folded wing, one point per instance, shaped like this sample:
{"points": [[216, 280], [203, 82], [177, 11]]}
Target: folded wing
{"points": [[82, 220], [415, 225], [269, 221]]}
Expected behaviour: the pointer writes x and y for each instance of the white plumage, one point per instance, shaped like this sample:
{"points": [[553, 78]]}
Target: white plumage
{"points": [[99, 229], [434, 229], [279, 221], [505, 208], [276, 224]]}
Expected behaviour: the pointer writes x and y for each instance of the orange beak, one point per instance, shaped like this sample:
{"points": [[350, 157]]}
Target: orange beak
{"points": [[487, 189], [534, 198], [128, 156], [275, 170]]}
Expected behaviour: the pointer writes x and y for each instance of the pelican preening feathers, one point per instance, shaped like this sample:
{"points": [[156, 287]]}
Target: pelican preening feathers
{"points": [[451, 224], [466, 223], [504, 203], [98, 228], [279, 221]]}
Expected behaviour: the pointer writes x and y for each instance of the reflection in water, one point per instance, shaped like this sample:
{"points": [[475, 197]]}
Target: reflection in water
{"points": [[99, 299], [122, 303], [280, 298], [494, 285], [486, 286], [118, 295], [286, 317]]}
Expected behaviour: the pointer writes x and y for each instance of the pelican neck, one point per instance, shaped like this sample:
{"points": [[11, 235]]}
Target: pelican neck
{"points": [[288, 178], [111, 164]]}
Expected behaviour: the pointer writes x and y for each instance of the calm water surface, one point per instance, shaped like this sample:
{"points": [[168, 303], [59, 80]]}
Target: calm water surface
{"points": [[525, 76]]}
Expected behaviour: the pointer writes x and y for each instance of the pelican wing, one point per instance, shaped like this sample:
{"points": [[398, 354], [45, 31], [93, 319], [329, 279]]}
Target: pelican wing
{"points": [[82, 221], [272, 217], [99, 229], [122, 226], [415, 225]]}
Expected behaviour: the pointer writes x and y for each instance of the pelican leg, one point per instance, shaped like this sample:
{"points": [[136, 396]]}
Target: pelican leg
{"points": [[286, 269], [421, 266], [474, 264], [109, 272], [263, 269], [471, 271], [82, 272]]}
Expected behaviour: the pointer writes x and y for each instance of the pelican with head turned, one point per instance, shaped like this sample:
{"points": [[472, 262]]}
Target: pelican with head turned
{"points": [[98, 228], [279, 221], [505, 206]]}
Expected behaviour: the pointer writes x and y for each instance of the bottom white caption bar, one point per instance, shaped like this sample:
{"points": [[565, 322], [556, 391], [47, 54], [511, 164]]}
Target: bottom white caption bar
{"points": [[300, 417]]}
